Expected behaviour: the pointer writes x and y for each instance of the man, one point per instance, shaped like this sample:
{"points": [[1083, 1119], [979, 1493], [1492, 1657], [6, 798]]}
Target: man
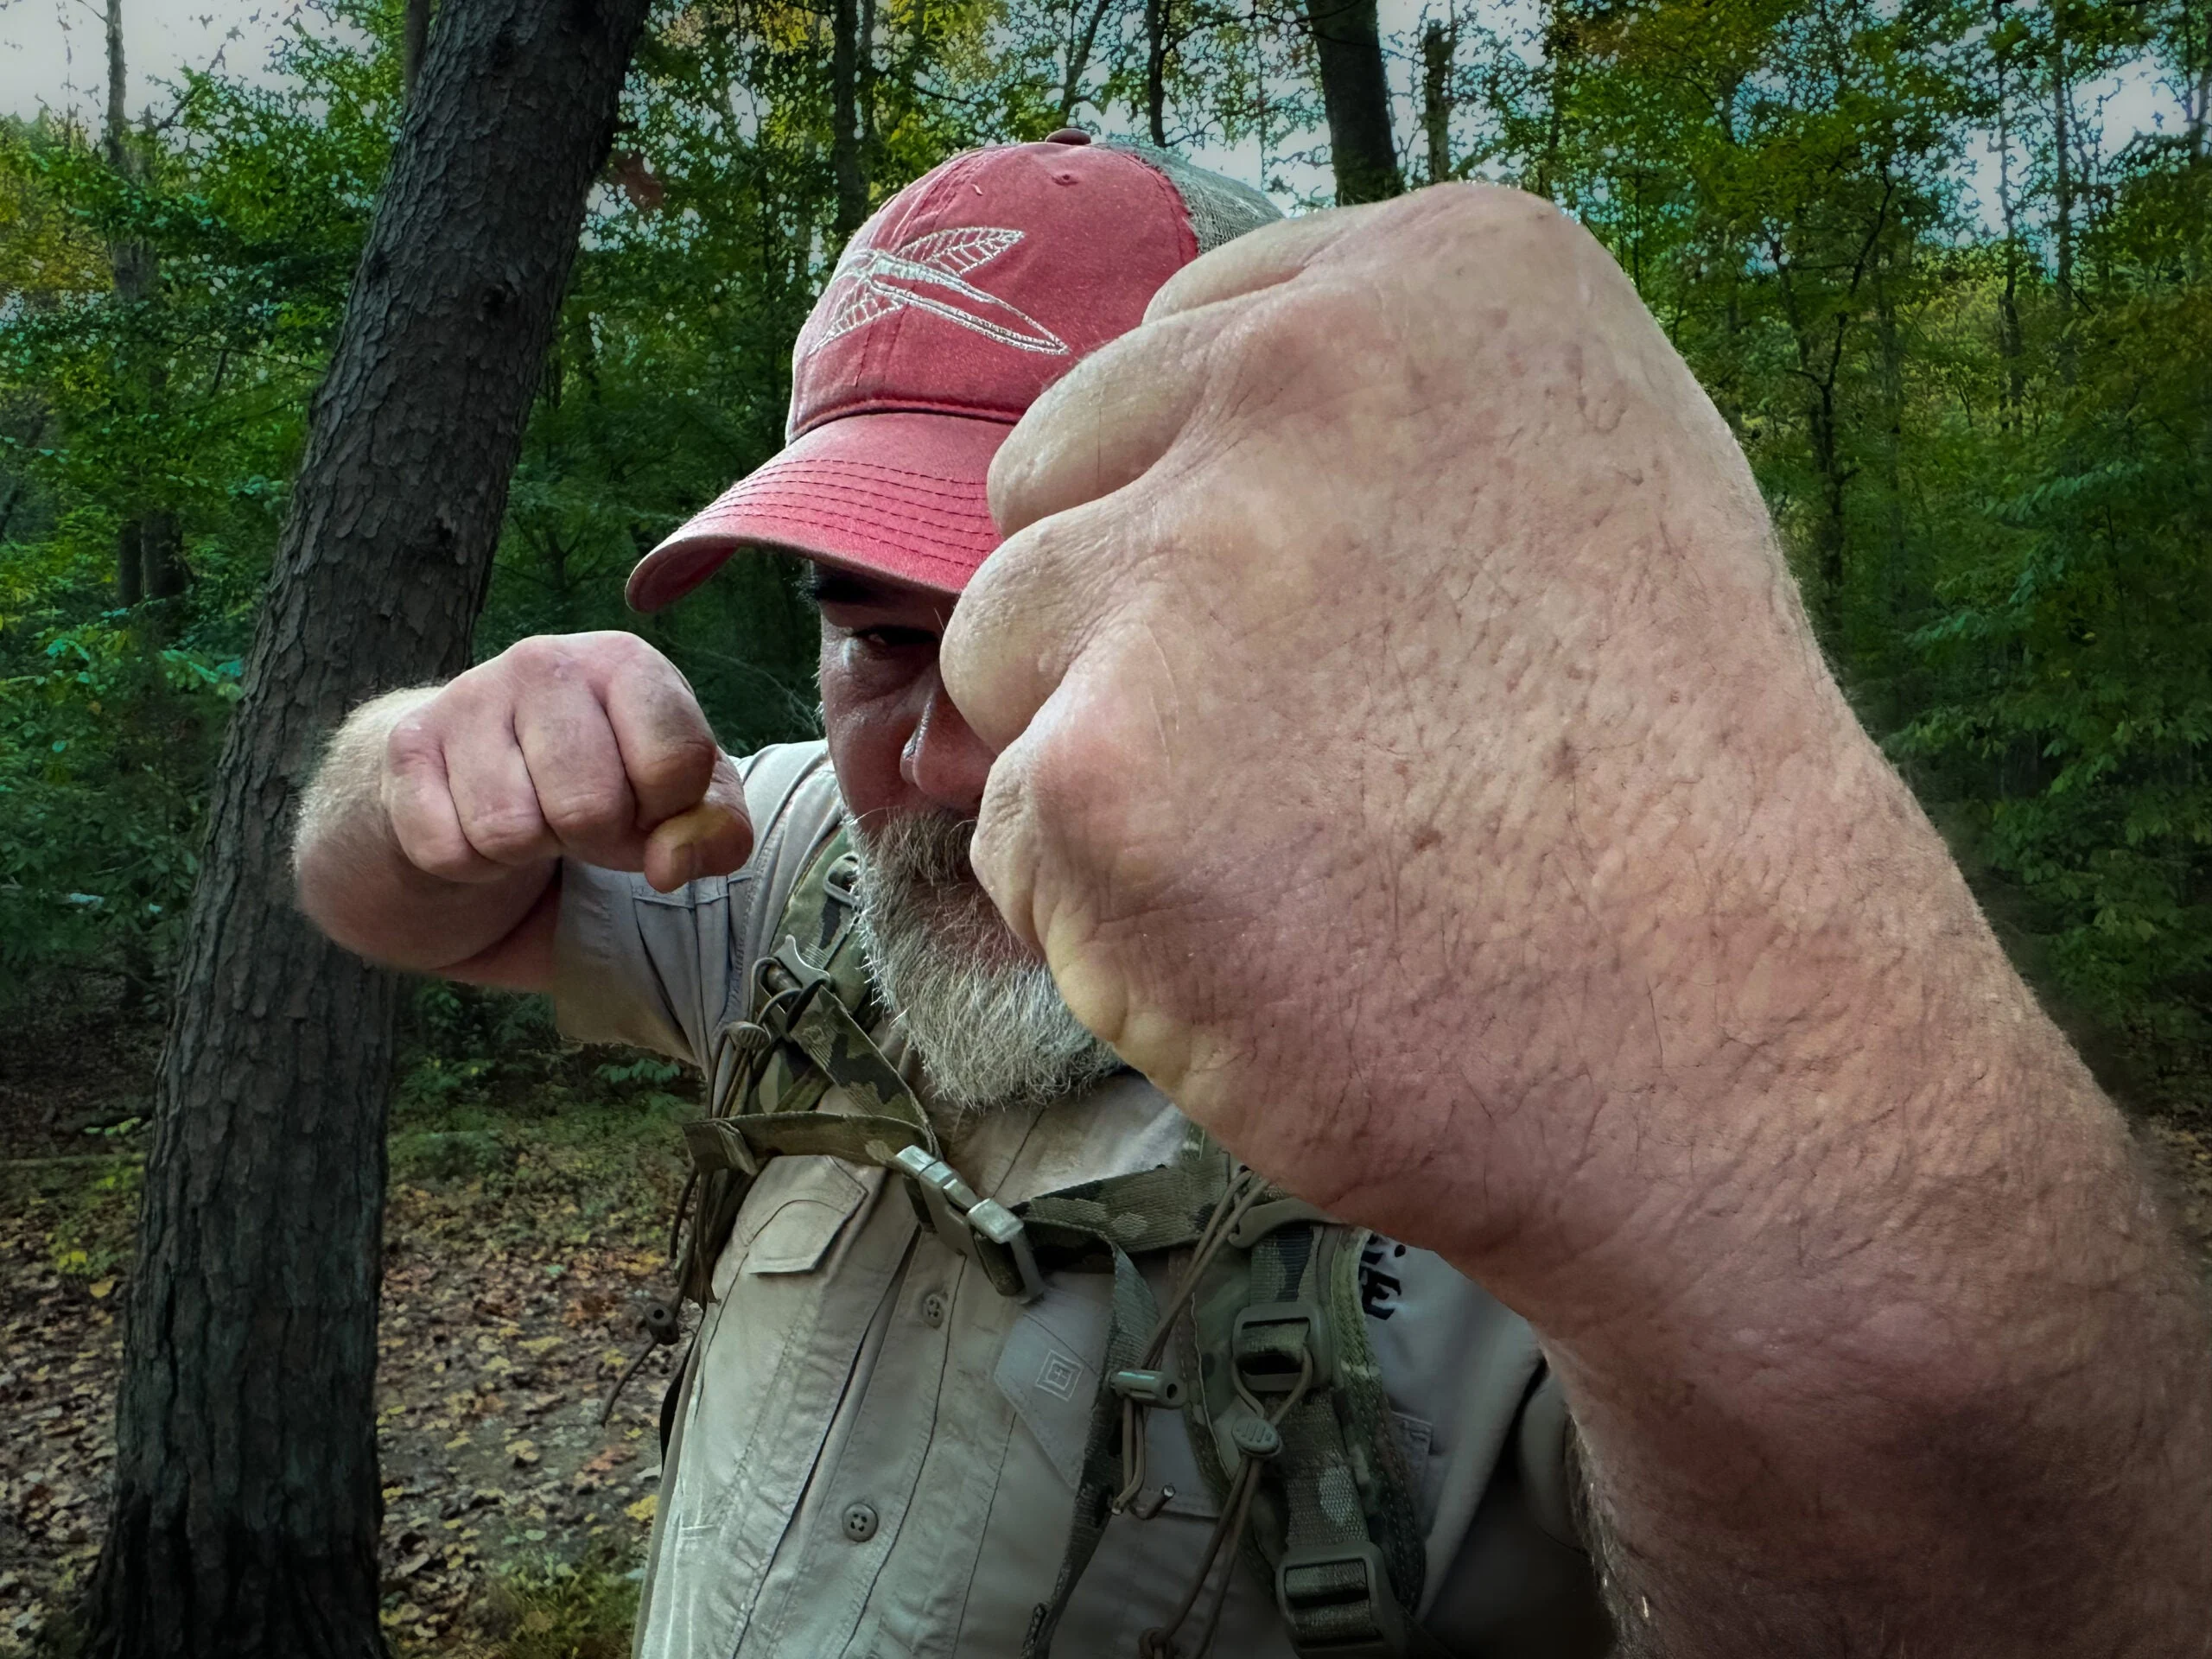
{"points": [[1388, 724]]}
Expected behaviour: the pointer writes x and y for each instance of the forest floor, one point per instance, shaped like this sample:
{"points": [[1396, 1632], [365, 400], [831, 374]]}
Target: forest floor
{"points": [[520, 1246], [522, 1238]]}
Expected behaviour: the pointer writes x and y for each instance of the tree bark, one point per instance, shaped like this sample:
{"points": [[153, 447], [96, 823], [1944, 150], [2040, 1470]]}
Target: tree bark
{"points": [[246, 1507], [1436, 53], [149, 546], [1356, 94]]}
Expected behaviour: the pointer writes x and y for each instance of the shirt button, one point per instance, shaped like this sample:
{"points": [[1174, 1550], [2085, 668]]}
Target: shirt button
{"points": [[933, 1308], [859, 1522]]}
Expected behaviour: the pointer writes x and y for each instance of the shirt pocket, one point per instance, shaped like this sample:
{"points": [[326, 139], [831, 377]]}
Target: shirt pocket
{"points": [[795, 1232], [796, 1211]]}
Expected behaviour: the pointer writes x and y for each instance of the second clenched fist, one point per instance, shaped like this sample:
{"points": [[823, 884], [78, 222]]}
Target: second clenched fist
{"points": [[589, 746]]}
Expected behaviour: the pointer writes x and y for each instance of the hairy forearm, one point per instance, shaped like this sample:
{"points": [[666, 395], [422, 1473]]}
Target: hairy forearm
{"points": [[1890, 1351], [356, 885]]}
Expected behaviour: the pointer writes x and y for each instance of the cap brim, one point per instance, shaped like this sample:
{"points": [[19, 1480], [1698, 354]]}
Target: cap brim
{"points": [[899, 495]]}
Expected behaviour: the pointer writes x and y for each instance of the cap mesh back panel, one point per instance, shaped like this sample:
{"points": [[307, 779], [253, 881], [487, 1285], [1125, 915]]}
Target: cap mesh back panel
{"points": [[1221, 209]]}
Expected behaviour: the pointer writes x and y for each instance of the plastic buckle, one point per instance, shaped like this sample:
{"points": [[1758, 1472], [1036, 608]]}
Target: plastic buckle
{"points": [[983, 1230], [1003, 1251], [842, 881], [1336, 1598], [788, 964], [1265, 1342]]}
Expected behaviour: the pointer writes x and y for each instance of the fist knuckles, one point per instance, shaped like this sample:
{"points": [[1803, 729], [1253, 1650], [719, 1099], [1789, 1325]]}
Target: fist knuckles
{"points": [[588, 746]]}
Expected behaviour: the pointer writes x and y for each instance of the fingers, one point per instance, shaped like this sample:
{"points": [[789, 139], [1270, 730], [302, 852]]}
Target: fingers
{"points": [[1115, 414], [419, 806], [1258, 259], [574, 766], [589, 746], [712, 838], [1025, 616], [668, 751]]}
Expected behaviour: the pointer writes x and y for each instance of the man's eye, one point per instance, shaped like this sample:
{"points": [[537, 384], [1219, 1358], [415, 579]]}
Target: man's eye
{"points": [[887, 638]]}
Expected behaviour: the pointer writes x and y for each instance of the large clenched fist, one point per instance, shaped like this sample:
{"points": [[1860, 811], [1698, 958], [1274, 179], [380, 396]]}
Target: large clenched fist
{"points": [[1413, 755], [589, 746]]}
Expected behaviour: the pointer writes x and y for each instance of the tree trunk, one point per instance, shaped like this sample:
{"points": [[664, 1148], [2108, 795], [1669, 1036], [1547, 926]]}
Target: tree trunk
{"points": [[1155, 69], [148, 546], [1356, 94], [1436, 53], [844, 118], [245, 1508], [2061, 139], [1562, 42], [414, 41], [1079, 50], [1890, 345], [2013, 388]]}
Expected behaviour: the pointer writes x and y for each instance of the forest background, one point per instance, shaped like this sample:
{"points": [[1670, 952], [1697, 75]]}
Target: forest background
{"points": [[1963, 331], [1967, 343]]}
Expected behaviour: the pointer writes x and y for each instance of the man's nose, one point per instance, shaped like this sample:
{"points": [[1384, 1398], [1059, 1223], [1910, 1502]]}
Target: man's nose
{"points": [[944, 760]]}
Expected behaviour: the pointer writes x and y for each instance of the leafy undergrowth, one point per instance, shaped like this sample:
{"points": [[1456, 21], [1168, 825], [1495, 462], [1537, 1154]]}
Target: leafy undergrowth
{"points": [[529, 1205]]}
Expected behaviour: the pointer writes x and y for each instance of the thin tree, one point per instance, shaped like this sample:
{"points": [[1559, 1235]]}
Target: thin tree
{"points": [[1438, 44], [1356, 96], [848, 46], [150, 546], [1158, 43], [246, 1509]]}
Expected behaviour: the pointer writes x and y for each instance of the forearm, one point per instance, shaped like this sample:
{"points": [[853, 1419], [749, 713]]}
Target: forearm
{"points": [[356, 884], [1888, 1350]]}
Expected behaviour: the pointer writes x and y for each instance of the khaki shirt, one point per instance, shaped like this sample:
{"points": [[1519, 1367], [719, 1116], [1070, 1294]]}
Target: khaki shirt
{"points": [[876, 1454]]}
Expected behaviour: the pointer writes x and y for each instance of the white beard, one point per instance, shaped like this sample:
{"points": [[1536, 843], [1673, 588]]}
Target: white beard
{"points": [[988, 1023]]}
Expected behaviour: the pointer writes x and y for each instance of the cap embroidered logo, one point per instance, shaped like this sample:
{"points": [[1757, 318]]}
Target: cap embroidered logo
{"points": [[950, 312], [927, 273]]}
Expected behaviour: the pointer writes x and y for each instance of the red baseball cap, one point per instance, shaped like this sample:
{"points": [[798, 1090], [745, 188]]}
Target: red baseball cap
{"points": [[972, 290]]}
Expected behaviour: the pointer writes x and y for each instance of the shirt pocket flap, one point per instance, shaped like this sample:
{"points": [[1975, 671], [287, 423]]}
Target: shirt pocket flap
{"points": [[801, 1219]]}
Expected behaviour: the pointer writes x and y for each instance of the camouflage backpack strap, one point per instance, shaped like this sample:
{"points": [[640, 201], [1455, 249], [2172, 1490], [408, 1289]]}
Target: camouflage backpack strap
{"points": [[804, 1032], [1290, 1398]]}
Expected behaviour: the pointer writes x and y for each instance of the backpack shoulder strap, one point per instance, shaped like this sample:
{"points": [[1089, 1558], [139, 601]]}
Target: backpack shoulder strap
{"points": [[1333, 1526]]}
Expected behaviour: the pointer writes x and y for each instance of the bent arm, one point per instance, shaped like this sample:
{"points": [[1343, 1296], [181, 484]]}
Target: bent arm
{"points": [[1886, 1347], [356, 884]]}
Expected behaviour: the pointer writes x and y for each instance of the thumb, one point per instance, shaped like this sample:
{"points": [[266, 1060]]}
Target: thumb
{"points": [[711, 838]]}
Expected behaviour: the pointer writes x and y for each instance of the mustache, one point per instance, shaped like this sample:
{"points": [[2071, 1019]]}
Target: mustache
{"points": [[922, 850]]}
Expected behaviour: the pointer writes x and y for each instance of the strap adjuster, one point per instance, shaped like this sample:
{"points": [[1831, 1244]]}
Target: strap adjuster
{"points": [[1336, 1600], [1269, 1341], [983, 1230]]}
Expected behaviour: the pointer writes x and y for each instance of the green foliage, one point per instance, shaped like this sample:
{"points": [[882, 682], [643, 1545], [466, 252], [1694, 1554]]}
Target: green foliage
{"points": [[98, 820], [1969, 365]]}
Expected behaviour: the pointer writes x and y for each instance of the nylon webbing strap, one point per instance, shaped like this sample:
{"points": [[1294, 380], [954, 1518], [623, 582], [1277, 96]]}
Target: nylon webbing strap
{"points": [[1340, 1590], [827, 1032], [1160, 1208], [802, 1038]]}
